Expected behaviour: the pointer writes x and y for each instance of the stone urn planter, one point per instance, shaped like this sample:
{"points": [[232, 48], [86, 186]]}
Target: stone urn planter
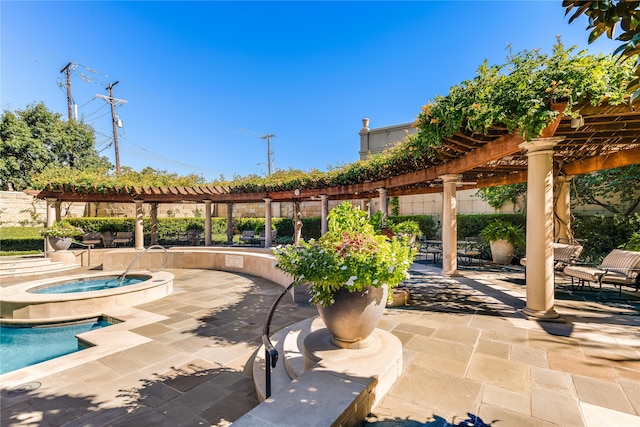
{"points": [[60, 243], [502, 251], [354, 315]]}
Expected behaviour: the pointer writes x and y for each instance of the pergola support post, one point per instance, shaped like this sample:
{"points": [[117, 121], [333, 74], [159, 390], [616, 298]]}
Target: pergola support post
{"points": [[562, 219], [324, 213], [267, 222], [207, 222], [139, 233], [540, 286], [449, 225], [384, 201], [51, 219], [229, 223], [154, 223]]}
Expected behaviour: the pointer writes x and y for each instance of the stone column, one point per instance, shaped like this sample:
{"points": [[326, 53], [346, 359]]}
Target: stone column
{"points": [[449, 226], [229, 223], [364, 139], [207, 222], [384, 205], [540, 277], [139, 234], [51, 219], [324, 212], [562, 219], [267, 222], [154, 223]]}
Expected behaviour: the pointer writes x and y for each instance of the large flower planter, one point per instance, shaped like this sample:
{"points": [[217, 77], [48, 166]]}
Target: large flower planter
{"points": [[502, 251], [60, 243], [353, 316]]}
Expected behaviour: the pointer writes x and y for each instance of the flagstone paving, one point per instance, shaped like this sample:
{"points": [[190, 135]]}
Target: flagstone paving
{"points": [[468, 353]]}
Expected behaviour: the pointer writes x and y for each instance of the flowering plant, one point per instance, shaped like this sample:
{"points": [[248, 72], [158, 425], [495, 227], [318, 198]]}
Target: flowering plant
{"points": [[61, 229], [351, 254]]}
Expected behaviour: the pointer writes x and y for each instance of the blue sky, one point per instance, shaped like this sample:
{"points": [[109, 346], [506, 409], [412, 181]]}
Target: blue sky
{"points": [[203, 80]]}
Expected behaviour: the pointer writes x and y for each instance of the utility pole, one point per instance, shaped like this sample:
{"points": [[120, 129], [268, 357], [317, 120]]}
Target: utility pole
{"points": [[114, 119], [269, 153], [67, 69], [267, 137]]}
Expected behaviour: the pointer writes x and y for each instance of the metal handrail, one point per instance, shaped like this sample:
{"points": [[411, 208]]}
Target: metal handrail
{"points": [[84, 245], [166, 259], [270, 353]]}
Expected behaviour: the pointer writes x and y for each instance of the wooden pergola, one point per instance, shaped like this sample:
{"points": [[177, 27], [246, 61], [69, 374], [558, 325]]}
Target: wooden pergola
{"points": [[605, 137]]}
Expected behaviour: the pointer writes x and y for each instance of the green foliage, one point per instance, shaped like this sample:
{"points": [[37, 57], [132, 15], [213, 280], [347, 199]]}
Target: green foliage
{"points": [[604, 233], [520, 94], [351, 254], [497, 196], [633, 244], [99, 179], [61, 229], [604, 17], [19, 240], [409, 228], [427, 224], [616, 190], [34, 138], [503, 230], [470, 225]]}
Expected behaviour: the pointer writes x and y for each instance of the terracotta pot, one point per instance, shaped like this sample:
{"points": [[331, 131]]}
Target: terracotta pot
{"points": [[353, 316], [502, 251], [60, 243]]}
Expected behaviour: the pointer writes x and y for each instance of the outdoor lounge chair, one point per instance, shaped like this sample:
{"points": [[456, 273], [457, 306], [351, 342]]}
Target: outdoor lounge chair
{"points": [[619, 268], [563, 255]]}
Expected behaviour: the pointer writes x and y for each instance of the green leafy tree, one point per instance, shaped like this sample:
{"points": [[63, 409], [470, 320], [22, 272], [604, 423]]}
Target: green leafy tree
{"points": [[497, 196], [616, 190], [34, 138], [610, 17]]}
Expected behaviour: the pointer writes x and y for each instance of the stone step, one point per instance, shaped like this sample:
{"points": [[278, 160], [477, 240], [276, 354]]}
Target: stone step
{"points": [[20, 267]]}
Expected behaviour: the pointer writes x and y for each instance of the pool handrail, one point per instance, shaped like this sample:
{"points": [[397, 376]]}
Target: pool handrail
{"points": [[164, 264], [270, 353]]}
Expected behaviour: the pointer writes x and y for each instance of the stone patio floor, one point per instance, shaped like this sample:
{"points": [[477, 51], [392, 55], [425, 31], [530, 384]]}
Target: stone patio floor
{"points": [[468, 352]]}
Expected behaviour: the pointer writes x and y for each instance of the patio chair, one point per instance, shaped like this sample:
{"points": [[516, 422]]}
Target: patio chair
{"points": [[91, 239], [470, 249], [122, 238], [248, 237]]}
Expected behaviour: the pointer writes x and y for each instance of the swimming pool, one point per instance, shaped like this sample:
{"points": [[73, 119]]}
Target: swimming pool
{"points": [[22, 346]]}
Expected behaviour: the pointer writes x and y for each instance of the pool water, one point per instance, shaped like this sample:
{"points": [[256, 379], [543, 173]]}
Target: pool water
{"points": [[86, 285], [22, 346]]}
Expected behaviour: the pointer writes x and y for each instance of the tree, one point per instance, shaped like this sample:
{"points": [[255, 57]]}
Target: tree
{"points": [[604, 17], [34, 138], [616, 190]]}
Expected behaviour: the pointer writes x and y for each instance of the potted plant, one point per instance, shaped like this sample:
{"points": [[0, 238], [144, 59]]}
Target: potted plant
{"points": [[350, 270], [60, 235], [504, 237]]}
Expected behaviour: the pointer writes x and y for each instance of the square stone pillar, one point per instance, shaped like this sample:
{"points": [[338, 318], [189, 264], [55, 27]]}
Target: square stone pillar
{"points": [[540, 273]]}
